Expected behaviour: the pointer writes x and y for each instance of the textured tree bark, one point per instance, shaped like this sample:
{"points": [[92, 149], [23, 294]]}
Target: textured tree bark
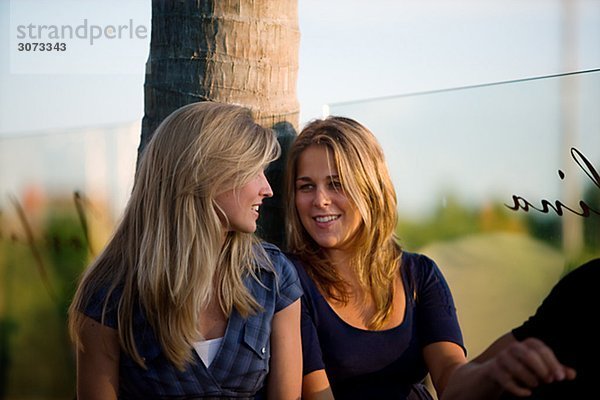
{"points": [[233, 51]]}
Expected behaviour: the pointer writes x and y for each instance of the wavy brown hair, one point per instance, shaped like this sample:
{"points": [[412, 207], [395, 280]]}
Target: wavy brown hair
{"points": [[167, 254], [364, 176]]}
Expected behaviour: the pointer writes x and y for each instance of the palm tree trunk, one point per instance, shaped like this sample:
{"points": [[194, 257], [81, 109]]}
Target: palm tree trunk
{"points": [[233, 51]]}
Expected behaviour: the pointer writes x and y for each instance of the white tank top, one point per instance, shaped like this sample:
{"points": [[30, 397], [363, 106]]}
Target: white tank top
{"points": [[207, 350]]}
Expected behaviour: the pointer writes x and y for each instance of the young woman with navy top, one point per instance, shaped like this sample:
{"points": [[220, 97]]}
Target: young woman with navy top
{"points": [[375, 319], [184, 302]]}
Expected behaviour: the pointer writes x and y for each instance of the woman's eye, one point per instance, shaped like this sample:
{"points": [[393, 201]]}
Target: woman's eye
{"points": [[305, 187], [336, 185]]}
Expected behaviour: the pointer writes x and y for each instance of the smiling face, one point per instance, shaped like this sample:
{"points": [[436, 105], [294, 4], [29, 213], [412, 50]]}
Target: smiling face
{"points": [[324, 209], [241, 206]]}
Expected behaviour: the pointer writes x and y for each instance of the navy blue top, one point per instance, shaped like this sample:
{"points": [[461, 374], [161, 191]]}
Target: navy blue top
{"points": [[242, 361], [363, 364], [565, 322]]}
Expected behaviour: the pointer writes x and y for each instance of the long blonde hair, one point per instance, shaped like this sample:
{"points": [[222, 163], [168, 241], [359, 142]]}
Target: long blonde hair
{"points": [[168, 252], [364, 176]]}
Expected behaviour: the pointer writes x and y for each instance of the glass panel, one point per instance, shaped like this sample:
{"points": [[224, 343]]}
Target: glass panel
{"points": [[457, 158], [482, 175]]}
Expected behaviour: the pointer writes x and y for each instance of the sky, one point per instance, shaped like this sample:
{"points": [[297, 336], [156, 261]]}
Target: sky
{"points": [[348, 51]]}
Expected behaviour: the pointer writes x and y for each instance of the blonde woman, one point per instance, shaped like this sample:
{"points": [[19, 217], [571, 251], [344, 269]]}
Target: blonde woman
{"points": [[375, 319], [184, 301]]}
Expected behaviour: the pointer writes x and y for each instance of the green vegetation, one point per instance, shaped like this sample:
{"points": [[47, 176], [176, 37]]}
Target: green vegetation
{"points": [[38, 274]]}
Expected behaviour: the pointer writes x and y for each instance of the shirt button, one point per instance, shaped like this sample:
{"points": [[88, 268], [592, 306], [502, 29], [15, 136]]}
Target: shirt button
{"points": [[263, 350]]}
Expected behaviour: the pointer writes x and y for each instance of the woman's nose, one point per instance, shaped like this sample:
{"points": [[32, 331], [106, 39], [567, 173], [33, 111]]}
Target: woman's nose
{"points": [[321, 199], [265, 190]]}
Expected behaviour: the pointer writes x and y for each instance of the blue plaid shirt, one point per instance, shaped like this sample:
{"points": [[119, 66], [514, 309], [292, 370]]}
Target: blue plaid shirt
{"points": [[242, 361]]}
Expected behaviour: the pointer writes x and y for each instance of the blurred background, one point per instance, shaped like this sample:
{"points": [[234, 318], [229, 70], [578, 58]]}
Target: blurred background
{"points": [[478, 105]]}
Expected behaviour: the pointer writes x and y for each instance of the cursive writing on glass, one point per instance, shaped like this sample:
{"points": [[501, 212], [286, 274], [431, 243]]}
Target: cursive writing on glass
{"points": [[585, 210]]}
